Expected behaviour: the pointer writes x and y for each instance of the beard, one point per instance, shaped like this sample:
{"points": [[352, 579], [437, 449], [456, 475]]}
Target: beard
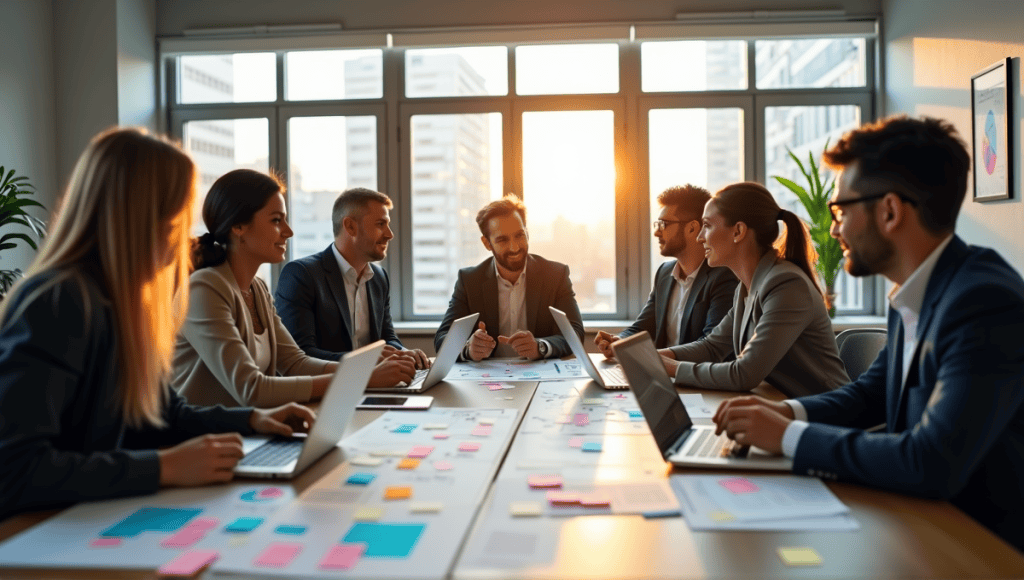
{"points": [[513, 262], [871, 256], [673, 247]]}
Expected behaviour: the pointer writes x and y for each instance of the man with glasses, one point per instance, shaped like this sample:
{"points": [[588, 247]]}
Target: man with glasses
{"points": [[512, 291], [689, 297], [949, 385]]}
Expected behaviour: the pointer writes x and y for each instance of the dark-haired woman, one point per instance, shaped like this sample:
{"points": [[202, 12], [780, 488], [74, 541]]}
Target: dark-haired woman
{"points": [[233, 349], [778, 328]]}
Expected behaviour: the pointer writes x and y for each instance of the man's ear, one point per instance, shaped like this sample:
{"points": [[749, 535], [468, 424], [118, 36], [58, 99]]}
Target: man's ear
{"points": [[350, 226], [892, 213], [487, 243], [692, 229]]}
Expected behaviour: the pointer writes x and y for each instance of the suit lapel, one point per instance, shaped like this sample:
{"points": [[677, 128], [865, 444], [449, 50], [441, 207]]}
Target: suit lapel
{"points": [[336, 283], [532, 297], [895, 372], [488, 293], [664, 290], [371, 303], [763, 267]]}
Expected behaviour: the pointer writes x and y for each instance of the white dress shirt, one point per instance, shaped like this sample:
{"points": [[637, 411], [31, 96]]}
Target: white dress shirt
{"points": [[906, 300], [358, 304], [677, 303], [511, 309]]}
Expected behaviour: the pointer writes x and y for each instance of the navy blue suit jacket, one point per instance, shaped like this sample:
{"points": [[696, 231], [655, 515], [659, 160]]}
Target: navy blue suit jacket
{"points": [[956, 429], [709, 300], [311, 301]]}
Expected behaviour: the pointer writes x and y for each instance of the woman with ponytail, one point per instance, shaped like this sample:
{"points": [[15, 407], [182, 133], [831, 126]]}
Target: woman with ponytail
{"points": [[233, 349], [86, 339], [778, 329]]}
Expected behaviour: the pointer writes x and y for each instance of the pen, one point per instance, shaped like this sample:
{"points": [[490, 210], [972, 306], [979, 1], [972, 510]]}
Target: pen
{"points": [[558, 370]]}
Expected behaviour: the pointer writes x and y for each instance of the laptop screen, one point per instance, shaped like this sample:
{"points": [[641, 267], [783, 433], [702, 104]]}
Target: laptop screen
{"points": [[655, 393], [574, 343]]}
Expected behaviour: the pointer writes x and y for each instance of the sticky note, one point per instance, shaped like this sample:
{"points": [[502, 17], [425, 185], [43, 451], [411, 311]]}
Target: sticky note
{"points": [[581, 420], [238, 541], [360, 479], [203, 524], [620, 396], [721, 516], [441, 436], [387, 453], [407, 428], [398, 492], [105, 542], [592, 447], [290, 530], [544, 481], [494, 387], [436, 426], [443, 465], [562, 497], [277, 555], [425, 507], [244, 524], [270, 492], [525, 509], [188, 563], [183, 539], [596, 499], [151, 519], [799, 557], [636, 416], [469, 447], [368, 514], [486, 421], [408, 463], [385, 540], [739, 485], [366, 461], [509, 398], [594, 401], [421, 451], [575, 442], [484, 431], [342, 557]]}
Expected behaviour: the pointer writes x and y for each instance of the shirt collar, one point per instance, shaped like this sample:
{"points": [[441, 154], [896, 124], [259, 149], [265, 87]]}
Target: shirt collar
{"points": [[347, 271], [501, 280], [910, 294], [677, 273]]}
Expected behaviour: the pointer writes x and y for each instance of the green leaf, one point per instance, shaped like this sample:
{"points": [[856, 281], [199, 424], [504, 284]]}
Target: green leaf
{"points": [[7, 246], [19, 236]]}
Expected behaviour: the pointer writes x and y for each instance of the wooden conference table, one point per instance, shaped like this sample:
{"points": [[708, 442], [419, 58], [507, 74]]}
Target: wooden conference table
{"points": [[899, 536]]}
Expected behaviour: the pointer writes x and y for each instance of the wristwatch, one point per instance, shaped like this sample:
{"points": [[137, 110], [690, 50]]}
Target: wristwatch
{"points": [[542, 348]]}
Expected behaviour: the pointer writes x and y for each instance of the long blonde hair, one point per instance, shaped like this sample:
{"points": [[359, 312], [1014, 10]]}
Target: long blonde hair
{"points": [[128, 190]]}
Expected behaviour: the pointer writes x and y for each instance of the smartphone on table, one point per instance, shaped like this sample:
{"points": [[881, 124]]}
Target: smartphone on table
{"points": [[396, 402]]}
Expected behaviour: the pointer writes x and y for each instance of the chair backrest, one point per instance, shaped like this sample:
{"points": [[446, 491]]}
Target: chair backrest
{"points": [[859, 347]]}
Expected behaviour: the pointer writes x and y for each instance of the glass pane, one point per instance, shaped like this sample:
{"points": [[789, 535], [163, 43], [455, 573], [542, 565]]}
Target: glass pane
{"points": [[569, 190], [711, 155], [804, 130], [456, 72], [693, 65], [227, 78], [334, 74], [815, 62], [567, 69], [456, 170], [326, 155]]}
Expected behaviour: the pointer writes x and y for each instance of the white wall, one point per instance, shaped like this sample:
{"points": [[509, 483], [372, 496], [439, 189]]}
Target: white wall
{"points": [[931, 49], [27, 121]]}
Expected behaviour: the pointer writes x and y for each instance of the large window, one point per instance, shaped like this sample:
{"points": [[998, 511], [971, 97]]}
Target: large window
{"points": [[588, 133]]}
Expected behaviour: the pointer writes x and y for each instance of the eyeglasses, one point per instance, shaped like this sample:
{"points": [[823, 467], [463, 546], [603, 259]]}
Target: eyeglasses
{"points": [[836, 207], [662, 224]]}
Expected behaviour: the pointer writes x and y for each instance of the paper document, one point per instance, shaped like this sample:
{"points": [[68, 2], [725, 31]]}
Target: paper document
{"points": [[515, 369], [696, 408]]}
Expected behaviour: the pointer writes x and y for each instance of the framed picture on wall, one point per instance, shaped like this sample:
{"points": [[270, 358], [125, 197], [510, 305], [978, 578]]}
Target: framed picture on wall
{"points": [[991, 129]]}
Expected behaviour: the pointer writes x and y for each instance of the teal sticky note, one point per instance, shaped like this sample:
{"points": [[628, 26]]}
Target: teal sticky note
{"points": [[290, 530], [408, 428], [244, 524], [636, 416], [591, 447], [151, 519], [385, 540], [360, 479]]}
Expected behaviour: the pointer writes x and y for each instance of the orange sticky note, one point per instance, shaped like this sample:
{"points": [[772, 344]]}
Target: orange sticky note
{"points": [[408, 463], [398, 492]]}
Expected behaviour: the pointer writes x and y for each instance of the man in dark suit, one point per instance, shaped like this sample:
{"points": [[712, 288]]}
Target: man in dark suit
{"points": [[512, 291], [949, 384], [689, 297], [337, 300]]}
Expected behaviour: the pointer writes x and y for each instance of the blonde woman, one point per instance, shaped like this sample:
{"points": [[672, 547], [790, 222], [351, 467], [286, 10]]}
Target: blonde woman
{"points": [[778, 329], [233, 346], [86, 339]]}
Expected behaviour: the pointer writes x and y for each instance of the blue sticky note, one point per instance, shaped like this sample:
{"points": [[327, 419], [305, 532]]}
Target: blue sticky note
{"points": [[360, 479], [244, 524], [151, 519], [385, 540], [636, 416], [592, 447], [290, 530], [404, 429]]}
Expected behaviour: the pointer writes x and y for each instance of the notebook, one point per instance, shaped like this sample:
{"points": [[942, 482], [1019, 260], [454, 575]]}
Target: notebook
{"points": [[680, 441], [610, 377], [286, 457], [446, 358]]}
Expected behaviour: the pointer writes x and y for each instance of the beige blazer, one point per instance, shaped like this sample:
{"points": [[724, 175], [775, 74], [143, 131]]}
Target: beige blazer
{"points": [[214, 352], [780, 333]]}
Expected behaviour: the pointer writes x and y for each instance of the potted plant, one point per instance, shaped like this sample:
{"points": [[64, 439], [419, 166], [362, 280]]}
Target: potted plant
{"points": [[815, 198], [13, 211]]}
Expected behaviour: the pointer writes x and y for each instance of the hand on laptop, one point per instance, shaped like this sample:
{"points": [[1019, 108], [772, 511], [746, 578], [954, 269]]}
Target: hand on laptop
{"points": [[201, 460], [481, 345], [285, 420], [604, 341], [524, 344], [754, 421], [420, 358], [396, 369]]}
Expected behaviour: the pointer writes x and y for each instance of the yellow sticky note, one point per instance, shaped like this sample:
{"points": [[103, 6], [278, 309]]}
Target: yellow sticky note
{"points": [[721, 516], [799, 556], [238, 540], [368, 514], [409, 463], [525, 509], [425, 507], [398, 492]]}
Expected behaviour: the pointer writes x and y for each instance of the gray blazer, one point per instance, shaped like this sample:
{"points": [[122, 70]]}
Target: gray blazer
{"points": [[213, 353], [780, 333]]}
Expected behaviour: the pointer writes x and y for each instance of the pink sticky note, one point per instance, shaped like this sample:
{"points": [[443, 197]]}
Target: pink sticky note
{"points": [[270, 492], [441, 436], [494, 387], [739, 485], [185, 538], [576, 442], [582, 420], [278, 555], [203, 524], [595, 499], [188, 563], [342, 557], [442, 465], [481, 431], [469, 447], [620, 396], [420, 451], [541, 481], [105, 542], [563, 497]]}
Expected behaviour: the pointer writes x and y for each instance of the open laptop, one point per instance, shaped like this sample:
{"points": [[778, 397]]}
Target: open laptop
{"points": [[446, 358], [286, 457], [611, 378], [680, 441]]}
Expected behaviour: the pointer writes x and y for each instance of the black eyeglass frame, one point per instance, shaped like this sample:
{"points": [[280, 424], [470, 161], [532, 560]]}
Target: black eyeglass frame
{"points": [[832, 205]]}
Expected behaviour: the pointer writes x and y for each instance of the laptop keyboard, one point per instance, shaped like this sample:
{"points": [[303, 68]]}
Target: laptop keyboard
{"points": [[273, 453], [710, 445], [420, 374], [614, 376]]}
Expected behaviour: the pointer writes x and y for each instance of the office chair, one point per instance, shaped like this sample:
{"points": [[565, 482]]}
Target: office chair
{"points": [[859, 347]]}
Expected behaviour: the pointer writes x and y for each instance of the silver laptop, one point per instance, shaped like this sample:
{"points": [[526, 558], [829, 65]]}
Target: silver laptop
{"points": [[680, 441], [611, 378], [286, 457], [446, 358]]}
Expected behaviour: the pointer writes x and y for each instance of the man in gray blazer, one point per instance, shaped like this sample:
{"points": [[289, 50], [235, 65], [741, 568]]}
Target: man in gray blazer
{"points": [[338, 300], [689, 297]]}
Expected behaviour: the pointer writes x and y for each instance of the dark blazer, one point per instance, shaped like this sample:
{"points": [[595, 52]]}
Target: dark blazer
{"points": [[62, 439], [956, 429], [547, 284], [313, 306], [709, 300]]}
